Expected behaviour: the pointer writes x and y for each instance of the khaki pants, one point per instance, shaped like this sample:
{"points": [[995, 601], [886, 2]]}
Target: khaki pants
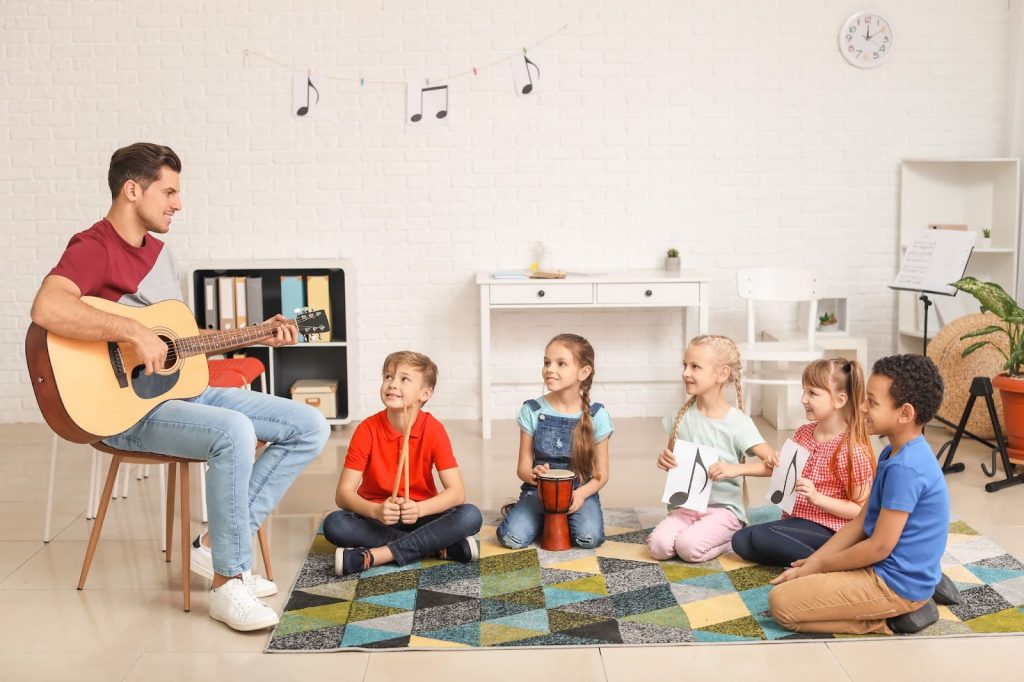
{"points": [[849, 602]]}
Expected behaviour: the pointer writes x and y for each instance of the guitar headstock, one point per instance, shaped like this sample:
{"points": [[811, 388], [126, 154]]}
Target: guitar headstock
{"points": [[312, 322]]}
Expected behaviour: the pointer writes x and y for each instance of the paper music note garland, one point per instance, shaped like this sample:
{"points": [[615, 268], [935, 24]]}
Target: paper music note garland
{"points": [[782, 487], [688, 485], [429, 103]]}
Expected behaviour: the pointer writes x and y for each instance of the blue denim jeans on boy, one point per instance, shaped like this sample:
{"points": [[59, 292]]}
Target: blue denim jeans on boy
{"points": [[221, 427], [552, 445], [407, 542]]}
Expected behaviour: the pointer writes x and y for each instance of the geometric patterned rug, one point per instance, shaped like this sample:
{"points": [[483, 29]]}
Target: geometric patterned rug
{"points": [[613, 595]]}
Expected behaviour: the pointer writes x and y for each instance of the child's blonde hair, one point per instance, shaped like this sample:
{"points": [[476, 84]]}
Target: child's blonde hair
{"points": [[582, 461], [724, 353], [839, 375]]}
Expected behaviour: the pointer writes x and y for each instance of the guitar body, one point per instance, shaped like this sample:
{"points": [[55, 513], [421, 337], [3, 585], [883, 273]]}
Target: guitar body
{"points": [[89, 390]]}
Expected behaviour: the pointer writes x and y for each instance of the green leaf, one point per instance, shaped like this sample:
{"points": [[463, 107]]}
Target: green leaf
{"points": [[991, 329], [992, 297], [973, 347]]}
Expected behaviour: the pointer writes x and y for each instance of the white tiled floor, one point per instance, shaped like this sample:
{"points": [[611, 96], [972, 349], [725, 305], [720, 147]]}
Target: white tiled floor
{"points": [[128, 622]]}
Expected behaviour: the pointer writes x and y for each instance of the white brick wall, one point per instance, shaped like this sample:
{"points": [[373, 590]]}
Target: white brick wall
{"points": [[731, 129]]}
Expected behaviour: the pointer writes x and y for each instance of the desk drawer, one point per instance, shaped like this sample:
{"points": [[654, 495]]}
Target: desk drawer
{"points": [[650, 293], [542, 294]]}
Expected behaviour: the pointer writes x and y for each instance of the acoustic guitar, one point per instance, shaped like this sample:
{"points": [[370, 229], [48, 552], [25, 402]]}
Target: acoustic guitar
{"points": [[89, 390]]}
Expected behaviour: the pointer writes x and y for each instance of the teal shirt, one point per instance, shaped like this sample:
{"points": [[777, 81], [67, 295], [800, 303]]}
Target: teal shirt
{"points": [[528, 419], [732, 436]]}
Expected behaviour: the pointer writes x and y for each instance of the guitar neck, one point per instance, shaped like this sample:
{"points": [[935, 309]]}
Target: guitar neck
{"points": [[217, 342]]}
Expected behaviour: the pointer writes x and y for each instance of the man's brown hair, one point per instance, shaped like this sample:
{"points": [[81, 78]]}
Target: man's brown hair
{"points": [[140, 162]]}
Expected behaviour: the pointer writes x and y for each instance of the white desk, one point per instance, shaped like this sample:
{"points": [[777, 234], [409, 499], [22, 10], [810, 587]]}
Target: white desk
{"points": [[689, 290]]}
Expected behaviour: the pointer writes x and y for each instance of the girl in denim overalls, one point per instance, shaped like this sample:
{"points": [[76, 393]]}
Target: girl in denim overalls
{"points": [[562, 430]]}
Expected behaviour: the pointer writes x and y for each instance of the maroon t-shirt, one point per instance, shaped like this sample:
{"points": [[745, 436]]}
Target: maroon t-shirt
{"points": [[103, 264]]}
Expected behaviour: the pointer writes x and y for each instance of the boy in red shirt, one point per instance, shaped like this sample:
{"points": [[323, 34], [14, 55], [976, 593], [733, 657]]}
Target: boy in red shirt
{"points": [[371, 527]]}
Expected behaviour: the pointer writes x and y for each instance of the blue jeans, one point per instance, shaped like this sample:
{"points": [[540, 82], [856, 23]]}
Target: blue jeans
{"points": [[221, 427], [408, 542], [525, 521], [780, 543]]}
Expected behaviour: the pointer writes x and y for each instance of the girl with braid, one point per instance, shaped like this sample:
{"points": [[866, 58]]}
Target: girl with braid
{"points": [[710, 365], [562, 430]]}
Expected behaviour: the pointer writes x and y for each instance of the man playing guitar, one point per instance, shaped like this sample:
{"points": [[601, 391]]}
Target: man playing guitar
{"points": [[120, 259]]}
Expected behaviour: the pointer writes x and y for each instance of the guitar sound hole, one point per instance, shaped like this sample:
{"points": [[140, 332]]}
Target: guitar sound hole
{"points": [[172, 355]]}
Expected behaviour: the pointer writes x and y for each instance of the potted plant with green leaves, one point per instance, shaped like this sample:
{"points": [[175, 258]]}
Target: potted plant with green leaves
{"points": [[986, 238], [826, 320], [994, 299], [672, 261]]}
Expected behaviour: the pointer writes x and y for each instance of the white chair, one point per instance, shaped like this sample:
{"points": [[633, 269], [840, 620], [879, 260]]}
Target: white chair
{"points": [[779, 359]]}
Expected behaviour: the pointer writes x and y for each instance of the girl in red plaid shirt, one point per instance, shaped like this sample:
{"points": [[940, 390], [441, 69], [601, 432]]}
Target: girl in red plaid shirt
{"points": [[837, 478]]}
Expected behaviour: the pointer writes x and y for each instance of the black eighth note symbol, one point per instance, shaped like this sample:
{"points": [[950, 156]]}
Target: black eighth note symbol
{"points": [[682, 496], [528, 88], [302, 111], [779, 494], [441, 112]]}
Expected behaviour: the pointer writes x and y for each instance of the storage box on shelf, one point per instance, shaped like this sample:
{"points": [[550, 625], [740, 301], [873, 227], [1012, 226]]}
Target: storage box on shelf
{"points": [[329, 360], [978, 193]]}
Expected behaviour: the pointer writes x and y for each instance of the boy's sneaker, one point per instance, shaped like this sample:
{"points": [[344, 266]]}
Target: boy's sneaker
{"points": [[915, 621], [946, 592], [351, 560], [234, 605], [465, 550], [201, 562]]}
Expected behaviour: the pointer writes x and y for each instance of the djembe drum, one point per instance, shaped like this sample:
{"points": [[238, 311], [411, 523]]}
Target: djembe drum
{"points": [[555, 488]]}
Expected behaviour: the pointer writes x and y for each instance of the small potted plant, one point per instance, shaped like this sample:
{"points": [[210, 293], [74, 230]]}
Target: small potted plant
{"points": [[826, 320], [993, 298], [986, 238], [672, 261]]}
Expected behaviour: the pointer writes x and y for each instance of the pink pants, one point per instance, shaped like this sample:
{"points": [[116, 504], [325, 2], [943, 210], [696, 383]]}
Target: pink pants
{"points": [[693, 536]]}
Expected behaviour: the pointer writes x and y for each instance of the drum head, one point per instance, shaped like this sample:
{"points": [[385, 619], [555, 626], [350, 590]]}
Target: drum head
{"points": [[558, 474]]}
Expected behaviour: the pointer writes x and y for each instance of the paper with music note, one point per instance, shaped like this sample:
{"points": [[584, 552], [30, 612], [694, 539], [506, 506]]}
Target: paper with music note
{"points": [[426, 105], [688, 485], [525, 74], [782, 488], [305, 94]]}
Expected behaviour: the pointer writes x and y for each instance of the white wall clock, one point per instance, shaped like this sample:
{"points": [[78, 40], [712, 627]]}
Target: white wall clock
{"points": [[865, 40]]}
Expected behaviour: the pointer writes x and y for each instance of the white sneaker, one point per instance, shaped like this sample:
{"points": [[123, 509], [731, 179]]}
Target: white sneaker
{"points": [[234, 605], [258, 585], [201, 562], [201, 558]]}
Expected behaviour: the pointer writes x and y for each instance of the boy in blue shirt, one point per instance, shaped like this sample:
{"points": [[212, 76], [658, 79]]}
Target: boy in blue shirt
{"points": [[879, 572]]}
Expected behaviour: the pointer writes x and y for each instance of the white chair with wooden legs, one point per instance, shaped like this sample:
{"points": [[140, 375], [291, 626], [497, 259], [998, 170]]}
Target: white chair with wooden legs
{"points": [[778, 363], [174, 464]]}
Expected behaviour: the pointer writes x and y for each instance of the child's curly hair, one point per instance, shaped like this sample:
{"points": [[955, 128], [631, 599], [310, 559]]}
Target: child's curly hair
{"points": [[915, 380]]}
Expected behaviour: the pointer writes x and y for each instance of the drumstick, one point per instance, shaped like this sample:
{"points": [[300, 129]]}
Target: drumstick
{"points": [[403, 461]]}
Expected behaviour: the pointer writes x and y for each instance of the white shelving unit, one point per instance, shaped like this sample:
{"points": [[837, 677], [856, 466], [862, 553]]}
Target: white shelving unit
{"points": [[979, 193], [332, 360]]}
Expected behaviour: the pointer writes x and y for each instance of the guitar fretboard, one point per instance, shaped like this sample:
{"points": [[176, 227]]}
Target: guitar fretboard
{"points": [[214, 342]]}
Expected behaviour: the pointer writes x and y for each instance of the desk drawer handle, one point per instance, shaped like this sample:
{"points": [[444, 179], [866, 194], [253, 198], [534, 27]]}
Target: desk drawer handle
{"points": [[648, 293], [540, 294]]}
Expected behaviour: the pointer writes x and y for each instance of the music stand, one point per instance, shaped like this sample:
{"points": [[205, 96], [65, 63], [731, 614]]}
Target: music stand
{"points": [[931, 261]]}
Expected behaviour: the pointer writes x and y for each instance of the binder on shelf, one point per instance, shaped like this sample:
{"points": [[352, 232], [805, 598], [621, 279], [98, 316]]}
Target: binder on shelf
{"points": [[254, 299], [210, 319], [293, 294], [226, 302], [241, 319], [319, 298]]}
